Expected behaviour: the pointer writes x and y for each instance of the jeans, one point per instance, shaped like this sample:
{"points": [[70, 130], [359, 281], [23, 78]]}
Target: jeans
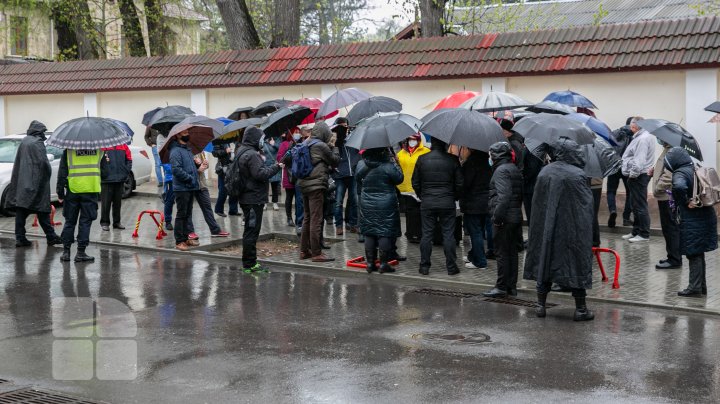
{"points": [[544, 288], [253, 223], [223, 196], [21, 215], [697, 272], [597, 196], [447, 224], [203, 199], [158, 165], [183, 199], [613, 182], [310, 238], [299, 208], [489, 237], [111, 198], [638, 193], [475, 226], [168, 201], [671, 232], [351, 218], [506, 254], [82, 208]]}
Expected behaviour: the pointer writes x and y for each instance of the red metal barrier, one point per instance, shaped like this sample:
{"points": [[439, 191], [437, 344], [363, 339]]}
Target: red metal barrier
{"points": [[359, 262], [52, 218], [161, 232], [597, 251]]}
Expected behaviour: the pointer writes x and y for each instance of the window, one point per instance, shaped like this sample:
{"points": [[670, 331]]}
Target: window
{"points": [[18, 35]]}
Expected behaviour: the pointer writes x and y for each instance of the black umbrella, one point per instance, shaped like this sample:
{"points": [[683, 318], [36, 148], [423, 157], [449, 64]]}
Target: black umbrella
{"points": [[495, 101], [235, 129], [148, 116], [714, 107], [268, 107], [546, 128], [235, 116], [672, 134], [167, 117], [341, 99], [463, 127], [551, 107], [87, 133], [216, 125], [383, 130], [601, 159], [370, 107], [282, 120]]}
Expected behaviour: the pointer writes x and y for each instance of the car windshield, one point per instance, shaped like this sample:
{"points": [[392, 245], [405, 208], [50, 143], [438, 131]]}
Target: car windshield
{"points": [[8, 149]]}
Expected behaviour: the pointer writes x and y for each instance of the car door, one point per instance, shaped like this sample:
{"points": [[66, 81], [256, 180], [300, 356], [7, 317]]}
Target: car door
{"points": [[55, 164]]}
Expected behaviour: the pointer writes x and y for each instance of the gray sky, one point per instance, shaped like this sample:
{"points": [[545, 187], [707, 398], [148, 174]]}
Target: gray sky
{"points": [[379, 10]]}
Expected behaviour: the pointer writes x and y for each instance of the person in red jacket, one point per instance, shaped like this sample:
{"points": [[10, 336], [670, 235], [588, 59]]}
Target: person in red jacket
{"points": [[115, 168]]}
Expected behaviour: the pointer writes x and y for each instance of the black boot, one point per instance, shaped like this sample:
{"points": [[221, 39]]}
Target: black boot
{"points": [[66, 253], [540, 308], [370, 260], [384, 266], [56, 240], [581, 311], [81, 256], [22, 242]]}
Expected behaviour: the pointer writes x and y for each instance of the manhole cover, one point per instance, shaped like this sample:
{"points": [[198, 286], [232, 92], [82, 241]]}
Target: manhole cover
{"points": [[468, 338], [40, 397], [446, 293]]}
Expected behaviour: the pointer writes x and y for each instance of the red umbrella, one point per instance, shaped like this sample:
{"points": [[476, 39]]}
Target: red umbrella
{"points": [[455, 99], [314, 104]]}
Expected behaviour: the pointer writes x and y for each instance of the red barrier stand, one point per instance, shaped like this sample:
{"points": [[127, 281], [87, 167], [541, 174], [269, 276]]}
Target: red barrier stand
{"points": [[52, 218], [161, 232], [597, 251], [359, 262]]}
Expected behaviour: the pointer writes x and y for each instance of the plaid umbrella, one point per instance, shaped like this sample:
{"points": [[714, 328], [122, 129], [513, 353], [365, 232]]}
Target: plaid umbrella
{"points": [[88, 133]]}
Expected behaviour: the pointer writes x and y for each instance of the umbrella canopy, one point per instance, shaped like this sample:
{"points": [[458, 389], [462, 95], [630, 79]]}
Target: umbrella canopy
{"points": [[495, 101], [314, 104], [570, 98], [518, 115], [165, 118], [148, 115], [546, 128], [236, 129], [383, 130], [268, 107], [200, 136], [215, 124], [672, 134], [601, 159], [125, 127], [285, 119], [342, 99], [714, 107], [454, 100], [371, 106], [235, 116], [463, 127], [551, 107], [596, 125], [715, 119], [87, 133]]}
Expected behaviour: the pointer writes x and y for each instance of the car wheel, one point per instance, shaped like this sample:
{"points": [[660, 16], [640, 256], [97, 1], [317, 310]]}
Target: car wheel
{"points": [[129, 186], [3, 211]]}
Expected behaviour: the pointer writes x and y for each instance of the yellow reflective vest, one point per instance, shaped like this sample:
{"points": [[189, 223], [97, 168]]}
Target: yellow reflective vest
{"points": [[84, 171]]}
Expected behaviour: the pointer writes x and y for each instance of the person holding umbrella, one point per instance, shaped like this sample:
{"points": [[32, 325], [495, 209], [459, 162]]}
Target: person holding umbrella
{"points": [[185, 184], [345, 181], [661, 184], [638, 160]]}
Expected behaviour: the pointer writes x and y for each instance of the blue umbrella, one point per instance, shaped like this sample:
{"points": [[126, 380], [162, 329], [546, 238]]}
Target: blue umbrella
{"points": [[570, 98], [596, 125]]}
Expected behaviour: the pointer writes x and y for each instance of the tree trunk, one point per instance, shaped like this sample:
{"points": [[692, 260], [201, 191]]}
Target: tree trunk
{"points": [[238, 24], [323, 29], [131, 28], [431, 16], [156, 28], [286, 26], [77, 39]]}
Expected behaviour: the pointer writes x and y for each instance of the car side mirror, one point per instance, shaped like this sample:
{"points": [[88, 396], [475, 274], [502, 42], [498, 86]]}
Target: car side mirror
{"points": [[50, 157]]}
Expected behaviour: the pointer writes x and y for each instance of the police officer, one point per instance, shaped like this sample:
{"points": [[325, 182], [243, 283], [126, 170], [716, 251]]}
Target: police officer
{"points": [[78, 186]]}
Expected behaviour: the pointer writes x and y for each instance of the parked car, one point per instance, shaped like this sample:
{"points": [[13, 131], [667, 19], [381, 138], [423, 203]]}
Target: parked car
{"points": [[141, 170]]}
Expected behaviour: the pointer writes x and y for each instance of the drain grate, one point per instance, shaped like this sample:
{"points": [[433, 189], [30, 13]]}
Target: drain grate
{"points": [[32, 396], [446, 293], [468, 338], [515, 302]]}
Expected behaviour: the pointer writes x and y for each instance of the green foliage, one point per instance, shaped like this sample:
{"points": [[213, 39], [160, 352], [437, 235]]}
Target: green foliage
{"points": [[707, 8], [600, 15]]}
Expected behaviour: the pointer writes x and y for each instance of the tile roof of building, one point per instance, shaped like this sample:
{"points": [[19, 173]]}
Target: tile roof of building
{"points": [[653, 45]]}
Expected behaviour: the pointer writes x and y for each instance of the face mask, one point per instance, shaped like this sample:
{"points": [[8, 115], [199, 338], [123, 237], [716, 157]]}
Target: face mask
{"points": [[490, 161], [296, 137], [262, 141], [185, 138], [413, 143]]}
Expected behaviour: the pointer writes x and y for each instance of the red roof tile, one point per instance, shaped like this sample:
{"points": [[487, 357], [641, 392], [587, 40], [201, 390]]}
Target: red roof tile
{"points": [[650, 45]]}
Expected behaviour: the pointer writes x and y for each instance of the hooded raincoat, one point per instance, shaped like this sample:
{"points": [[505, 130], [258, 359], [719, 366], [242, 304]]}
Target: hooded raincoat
{"points": [[252, 166], [560, 241], [31, 190]]}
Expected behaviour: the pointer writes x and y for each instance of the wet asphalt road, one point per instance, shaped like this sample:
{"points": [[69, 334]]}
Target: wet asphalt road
{"points": [[210, 333]]}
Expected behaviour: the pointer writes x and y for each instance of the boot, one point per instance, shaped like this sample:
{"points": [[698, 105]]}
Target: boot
{"points": [[581, 311], [540, 308], [65, 257], [370, 260], [384, 266], [81, 256]]}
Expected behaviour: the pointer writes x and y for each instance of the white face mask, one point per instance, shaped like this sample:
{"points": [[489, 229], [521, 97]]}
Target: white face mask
{"points": [[296, 137], [413, 143]]}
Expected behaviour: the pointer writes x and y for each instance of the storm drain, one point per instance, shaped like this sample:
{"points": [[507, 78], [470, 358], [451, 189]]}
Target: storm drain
{"points": [[469, 338], [32, 396], [515, 302], [446, 293]]}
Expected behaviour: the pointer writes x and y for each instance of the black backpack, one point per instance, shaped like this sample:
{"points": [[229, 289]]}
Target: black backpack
{"points": [[235, 180]]}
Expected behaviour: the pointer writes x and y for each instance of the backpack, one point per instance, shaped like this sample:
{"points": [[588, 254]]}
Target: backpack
{"points": [[302, 165], [706, 187], [235, 181]]}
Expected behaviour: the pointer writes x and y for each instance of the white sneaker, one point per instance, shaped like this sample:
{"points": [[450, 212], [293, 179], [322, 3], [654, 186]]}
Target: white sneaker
{"points": [[466, 260], [265, 207], [628, 236], [638, 239], [275, 206], [470, 265]]}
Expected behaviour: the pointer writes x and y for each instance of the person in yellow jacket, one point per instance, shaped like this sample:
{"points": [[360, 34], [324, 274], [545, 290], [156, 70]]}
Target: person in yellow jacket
{"points": [[78, 187], [413, 148]]}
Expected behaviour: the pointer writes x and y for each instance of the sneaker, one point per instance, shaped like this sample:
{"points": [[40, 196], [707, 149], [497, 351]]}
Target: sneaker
{"points": [[466, 260], [255, 268], [105, 227], [275, 206], [290, 223], [265, 207], [182, 246], [168, 226], [192, 243], [193, 236], [339, 231], [628, 236], [220, 214], [118, 226], [638, 239], [469, 265], [220, 234]]}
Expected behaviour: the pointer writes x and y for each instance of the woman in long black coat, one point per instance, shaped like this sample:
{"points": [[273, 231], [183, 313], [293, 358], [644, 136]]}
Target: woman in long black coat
{"points": [[698, 225], [377, 177]]}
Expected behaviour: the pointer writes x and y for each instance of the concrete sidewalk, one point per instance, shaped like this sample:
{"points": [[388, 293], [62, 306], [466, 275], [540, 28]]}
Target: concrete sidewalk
{"points": [[640, 282]]}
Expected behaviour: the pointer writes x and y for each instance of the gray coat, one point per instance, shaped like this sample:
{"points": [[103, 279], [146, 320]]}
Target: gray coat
{"points": [[31, 189]]}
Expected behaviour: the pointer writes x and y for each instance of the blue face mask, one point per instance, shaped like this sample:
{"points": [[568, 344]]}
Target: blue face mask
{"points": [[296, 137], [490, 161]]}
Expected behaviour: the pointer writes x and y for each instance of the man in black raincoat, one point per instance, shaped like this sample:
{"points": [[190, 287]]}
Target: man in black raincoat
{"points": [[29, 193], [560, 243]]}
